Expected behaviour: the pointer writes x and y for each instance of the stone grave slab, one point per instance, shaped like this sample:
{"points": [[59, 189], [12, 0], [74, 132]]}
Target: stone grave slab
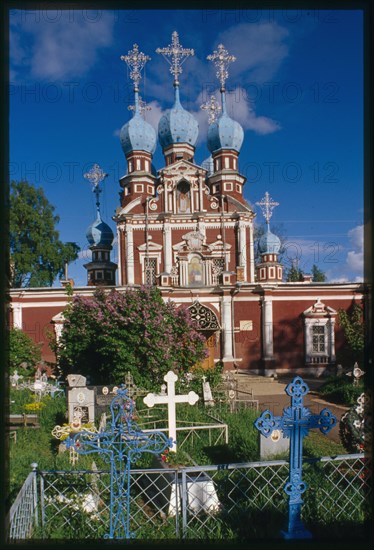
{"points": [[273, 445]]}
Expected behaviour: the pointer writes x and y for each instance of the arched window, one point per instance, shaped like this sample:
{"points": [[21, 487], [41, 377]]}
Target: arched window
{"points": [[183, 197]]}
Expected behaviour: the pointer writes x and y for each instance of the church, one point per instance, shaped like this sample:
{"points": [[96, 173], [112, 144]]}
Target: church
{"points": [[187, 229]]}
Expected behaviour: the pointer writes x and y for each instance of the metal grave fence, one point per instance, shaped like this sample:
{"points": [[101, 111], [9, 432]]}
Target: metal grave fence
{"points": [[234, 501]]}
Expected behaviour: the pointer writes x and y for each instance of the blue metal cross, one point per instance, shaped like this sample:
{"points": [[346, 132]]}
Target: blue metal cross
{"points": [[295, 423], [119, 445]]}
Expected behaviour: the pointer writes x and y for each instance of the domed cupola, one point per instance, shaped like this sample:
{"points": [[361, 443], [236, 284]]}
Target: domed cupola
{"points": [[137, 134], [269, 243], [178, 129], [177, 125], [100, 271], [269, 269], [208, 165], [99, 233], [224, 132]]}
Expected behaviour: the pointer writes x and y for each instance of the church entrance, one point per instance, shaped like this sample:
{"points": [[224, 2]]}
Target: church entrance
{"points": [[208, 324], [208, 362]]}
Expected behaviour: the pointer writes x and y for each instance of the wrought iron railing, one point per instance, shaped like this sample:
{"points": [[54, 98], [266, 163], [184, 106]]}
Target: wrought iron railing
{"points": [[233, 501]]}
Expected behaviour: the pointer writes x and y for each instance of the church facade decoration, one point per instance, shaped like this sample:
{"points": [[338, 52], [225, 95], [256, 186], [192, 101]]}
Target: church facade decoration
{"points": [[188, 229]]}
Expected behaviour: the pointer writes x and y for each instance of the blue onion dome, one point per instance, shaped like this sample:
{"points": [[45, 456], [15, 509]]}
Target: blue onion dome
{"points": [[208, 165], [99, 233], [137, 134], [225, 133], [269, 243], [177, 125]]}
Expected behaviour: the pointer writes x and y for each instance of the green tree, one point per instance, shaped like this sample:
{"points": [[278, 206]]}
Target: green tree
{"points": [[318, 275], [23, 352], [352, 323], [37, 256], [110, 334], [294, 274]]}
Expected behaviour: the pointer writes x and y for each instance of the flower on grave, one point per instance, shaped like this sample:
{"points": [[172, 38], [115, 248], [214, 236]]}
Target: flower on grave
{"points": [[37, 406], [355, 425], [165, 456]]}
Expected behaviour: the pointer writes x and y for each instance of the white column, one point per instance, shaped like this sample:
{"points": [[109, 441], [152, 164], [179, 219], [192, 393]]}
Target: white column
{"points": [[251, 256], [331, 327], [242, 245], [119, 230], [183, 272], [227, 328], [167, 248], [17, 315], [130, 260], [267, 327]]}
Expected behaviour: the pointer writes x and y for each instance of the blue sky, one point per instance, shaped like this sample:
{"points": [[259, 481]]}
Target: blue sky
{"points": [[296, 88]]}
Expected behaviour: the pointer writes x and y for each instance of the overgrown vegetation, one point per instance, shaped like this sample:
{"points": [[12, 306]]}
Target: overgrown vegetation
{"points": [[135, 331], [341, 390], [24, 354]]}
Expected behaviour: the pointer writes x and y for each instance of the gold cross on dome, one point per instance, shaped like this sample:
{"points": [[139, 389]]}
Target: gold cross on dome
{"points": [[213, 108], [178, 55]]}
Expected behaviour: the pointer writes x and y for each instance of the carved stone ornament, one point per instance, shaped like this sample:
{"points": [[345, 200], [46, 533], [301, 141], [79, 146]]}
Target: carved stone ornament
{"points": [[204, 317], [194, 240]]}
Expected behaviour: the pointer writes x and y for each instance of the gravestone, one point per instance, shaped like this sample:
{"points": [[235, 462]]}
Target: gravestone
{"points": [[273, 445], [207, 392], [80, 397]]}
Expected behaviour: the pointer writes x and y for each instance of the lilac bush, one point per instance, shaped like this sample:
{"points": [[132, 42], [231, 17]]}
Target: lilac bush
{"points": [[109, 334]]}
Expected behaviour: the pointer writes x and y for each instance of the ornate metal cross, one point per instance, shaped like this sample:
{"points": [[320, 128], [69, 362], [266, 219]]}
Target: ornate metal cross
{"points": [[295, 423], [95, 176], [120, 444], [267, 206], [136, 61], [213, 108], [221, 59], [170, 399], [178, 55]]}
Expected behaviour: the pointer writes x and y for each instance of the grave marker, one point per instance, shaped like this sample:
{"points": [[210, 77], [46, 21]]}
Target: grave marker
{"points": [[119, 444], [295, 424], [171, 399], [207, 392], [79, 396]]}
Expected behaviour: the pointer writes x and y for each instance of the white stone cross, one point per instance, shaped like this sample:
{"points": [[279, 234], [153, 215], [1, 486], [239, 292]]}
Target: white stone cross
{"points": [[170, 399]]}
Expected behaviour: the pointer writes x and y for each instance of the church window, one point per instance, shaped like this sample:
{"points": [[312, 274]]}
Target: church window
{"points": [[99, 275], [318, 338], [139, 188], [228, 186], [183, 197], [227, 162], [238, 188], [130, 166], [150, 268], [138, 164], [319, 321], [195, 271], [147, 165], [204, 317]]}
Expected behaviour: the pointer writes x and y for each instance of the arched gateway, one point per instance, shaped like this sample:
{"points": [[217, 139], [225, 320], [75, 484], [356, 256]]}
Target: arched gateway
{"points": [[209, 326]]}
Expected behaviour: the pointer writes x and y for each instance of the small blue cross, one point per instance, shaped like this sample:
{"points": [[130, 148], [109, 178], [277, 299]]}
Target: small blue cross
{"points": [[295, 423], [119, 445]]}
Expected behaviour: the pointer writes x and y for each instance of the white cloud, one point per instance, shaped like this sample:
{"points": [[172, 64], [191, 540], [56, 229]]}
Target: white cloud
{"points": [[65, 48], [259, 50], [355, 257]]}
